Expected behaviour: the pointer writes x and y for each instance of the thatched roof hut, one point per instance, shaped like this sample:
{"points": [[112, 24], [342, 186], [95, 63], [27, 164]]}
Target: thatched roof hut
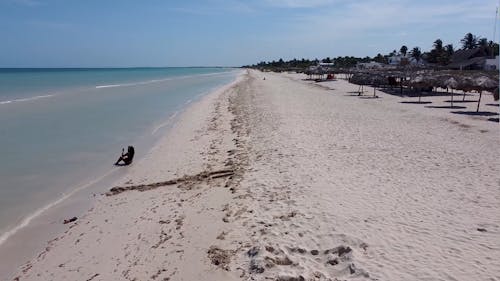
{"points": [[465, 81], [468, 59]]}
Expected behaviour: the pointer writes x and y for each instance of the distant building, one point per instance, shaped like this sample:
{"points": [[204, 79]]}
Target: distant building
{"points": [[469, 59], [316, 71], [327, 64], [369, 65], [398, 60], [395, 59], [491, 64]]}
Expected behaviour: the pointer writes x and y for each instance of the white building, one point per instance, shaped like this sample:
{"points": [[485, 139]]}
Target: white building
{"points": [[369, 65], [327, 64], [402, 60], [491, 64]]}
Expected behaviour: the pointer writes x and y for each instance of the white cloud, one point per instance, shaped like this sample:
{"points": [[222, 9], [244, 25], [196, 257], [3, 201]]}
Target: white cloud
{"points": [[348, 28], [392, 15]]}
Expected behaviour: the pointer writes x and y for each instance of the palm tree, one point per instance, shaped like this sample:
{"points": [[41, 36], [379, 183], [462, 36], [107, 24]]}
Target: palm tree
{"points": [[469, 41], [449, 49], [327, 60], [483, 43], [493, 48], [379, 58], [438, 54], [416, 53], [438, 45], [403, 50], [446, 54]]}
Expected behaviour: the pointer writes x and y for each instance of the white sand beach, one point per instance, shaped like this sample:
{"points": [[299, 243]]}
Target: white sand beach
{"points": [[282, 179]]}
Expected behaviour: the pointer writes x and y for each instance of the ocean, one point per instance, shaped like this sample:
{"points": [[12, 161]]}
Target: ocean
{"points": [[61, 130]]}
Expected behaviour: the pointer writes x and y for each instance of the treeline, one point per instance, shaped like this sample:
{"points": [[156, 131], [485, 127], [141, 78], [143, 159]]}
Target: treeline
{"points": [[305, 63], [439, 55]]}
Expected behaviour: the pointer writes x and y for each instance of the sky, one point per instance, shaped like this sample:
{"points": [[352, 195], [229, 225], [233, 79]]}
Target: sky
{"points": [[126, 33]]}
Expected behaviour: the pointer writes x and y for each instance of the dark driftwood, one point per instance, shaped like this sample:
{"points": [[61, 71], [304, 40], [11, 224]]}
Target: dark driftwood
{"points": [[70, 220], [198, 177]]}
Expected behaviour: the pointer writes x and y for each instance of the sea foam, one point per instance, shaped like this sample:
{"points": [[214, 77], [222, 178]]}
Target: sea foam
{"points": [[26, 99]]}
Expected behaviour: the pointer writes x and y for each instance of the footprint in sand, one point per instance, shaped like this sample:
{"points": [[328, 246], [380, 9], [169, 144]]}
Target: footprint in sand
{"points": [[340, 259], [220, 257]]}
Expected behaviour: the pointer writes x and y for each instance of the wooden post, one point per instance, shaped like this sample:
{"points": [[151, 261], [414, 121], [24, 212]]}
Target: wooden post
{"points": [[452, 98], [479, 101], [401, 84]]}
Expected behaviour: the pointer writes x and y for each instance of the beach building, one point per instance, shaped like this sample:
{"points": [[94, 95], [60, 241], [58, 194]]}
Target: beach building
{"points": [[398, 60], [491, 64], [316, 72], [327, 64], [471, 59], [369, 65]]}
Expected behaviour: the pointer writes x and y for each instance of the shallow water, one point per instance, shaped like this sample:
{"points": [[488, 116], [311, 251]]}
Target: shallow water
{"points": [[63, 128]]}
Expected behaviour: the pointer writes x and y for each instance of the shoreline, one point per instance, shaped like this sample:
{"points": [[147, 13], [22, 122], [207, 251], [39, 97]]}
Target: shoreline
{"points": [[283, 180], [77, 156], [48, 218]]}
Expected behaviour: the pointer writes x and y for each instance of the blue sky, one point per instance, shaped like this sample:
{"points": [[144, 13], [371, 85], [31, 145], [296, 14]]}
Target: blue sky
{"points": [[105, 33]]}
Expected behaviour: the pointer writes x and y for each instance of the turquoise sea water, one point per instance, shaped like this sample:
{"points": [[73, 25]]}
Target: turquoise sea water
{"points": [[61, 128]]}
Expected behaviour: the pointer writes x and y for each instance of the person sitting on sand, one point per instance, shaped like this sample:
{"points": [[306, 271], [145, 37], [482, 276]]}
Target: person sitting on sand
{"points": [[126, 157]]}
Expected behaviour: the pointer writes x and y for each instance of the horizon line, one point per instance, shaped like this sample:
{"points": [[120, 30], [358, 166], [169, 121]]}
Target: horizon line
{"points": [[118, 67]]}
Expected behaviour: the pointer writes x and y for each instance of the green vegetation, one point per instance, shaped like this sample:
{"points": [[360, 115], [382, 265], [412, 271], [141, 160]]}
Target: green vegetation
{"points": [[469, 41], [439, 55], [403, 50], [416, 53]]}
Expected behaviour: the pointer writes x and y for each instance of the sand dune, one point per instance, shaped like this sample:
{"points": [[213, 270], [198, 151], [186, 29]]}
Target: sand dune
{"points": [[317, 185]]}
